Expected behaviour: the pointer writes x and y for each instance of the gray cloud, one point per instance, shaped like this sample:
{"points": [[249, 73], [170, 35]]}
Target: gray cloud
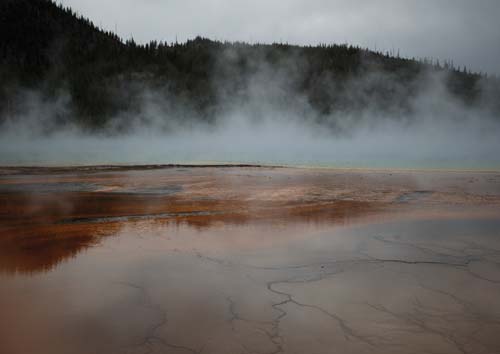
{"points": [[466, 31]]}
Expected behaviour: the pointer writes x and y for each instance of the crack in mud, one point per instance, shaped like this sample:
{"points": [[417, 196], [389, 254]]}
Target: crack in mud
{"points": [[151, 334]]}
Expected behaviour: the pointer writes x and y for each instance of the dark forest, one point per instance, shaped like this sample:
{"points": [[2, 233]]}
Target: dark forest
{"points": [[49, 49]]}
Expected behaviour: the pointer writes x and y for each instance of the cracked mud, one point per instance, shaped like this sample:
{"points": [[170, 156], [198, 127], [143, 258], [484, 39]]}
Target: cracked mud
{"points": [[249, 260]]}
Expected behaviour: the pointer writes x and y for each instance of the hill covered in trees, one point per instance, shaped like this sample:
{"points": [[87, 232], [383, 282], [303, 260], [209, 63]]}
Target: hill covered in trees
{"points": [[95, 79]]}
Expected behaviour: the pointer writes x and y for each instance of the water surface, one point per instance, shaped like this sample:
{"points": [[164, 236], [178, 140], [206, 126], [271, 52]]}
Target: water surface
{"points": [[249, 260]]}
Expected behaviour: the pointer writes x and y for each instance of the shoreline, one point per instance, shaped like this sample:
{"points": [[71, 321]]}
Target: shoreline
{"points": [[142, 167]]}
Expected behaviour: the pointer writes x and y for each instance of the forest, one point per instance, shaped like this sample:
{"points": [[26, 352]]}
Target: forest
{"points": [[49, 49]]}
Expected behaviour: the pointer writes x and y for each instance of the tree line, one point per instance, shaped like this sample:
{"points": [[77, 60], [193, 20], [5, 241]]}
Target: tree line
{"points": [[49, 48]]}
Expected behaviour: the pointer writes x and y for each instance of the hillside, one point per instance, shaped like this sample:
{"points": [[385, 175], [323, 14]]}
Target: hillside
{"points": [[50, 50]]}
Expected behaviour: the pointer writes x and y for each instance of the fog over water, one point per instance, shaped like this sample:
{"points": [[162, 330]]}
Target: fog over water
{"points": [[440, 132]]}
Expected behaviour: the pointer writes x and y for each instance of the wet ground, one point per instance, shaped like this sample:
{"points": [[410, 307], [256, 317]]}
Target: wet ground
{"points": [[248, 260]]}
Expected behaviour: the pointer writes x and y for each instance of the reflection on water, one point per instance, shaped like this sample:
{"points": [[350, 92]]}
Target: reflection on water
{"points": [[395, 287], [38, 232], [238, 262]]}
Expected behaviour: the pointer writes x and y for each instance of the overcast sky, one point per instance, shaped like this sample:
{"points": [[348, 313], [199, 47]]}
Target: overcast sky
{"points": [[467, 31]]}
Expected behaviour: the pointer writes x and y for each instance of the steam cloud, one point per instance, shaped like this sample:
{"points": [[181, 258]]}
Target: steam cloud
{"points": [[261, 126]]}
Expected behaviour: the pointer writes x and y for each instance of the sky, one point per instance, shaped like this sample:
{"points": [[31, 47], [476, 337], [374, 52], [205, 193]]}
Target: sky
{"points": [[465, 31]]}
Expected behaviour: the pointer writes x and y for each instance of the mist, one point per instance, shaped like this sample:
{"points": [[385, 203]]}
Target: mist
{"points": [[268, 122]]}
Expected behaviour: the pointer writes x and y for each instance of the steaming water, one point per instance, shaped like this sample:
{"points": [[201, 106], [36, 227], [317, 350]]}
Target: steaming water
{"points": [[422, 147], [438, 133]]}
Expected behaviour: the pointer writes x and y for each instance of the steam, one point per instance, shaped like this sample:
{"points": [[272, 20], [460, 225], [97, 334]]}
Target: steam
{"points": [[267, 123]]}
